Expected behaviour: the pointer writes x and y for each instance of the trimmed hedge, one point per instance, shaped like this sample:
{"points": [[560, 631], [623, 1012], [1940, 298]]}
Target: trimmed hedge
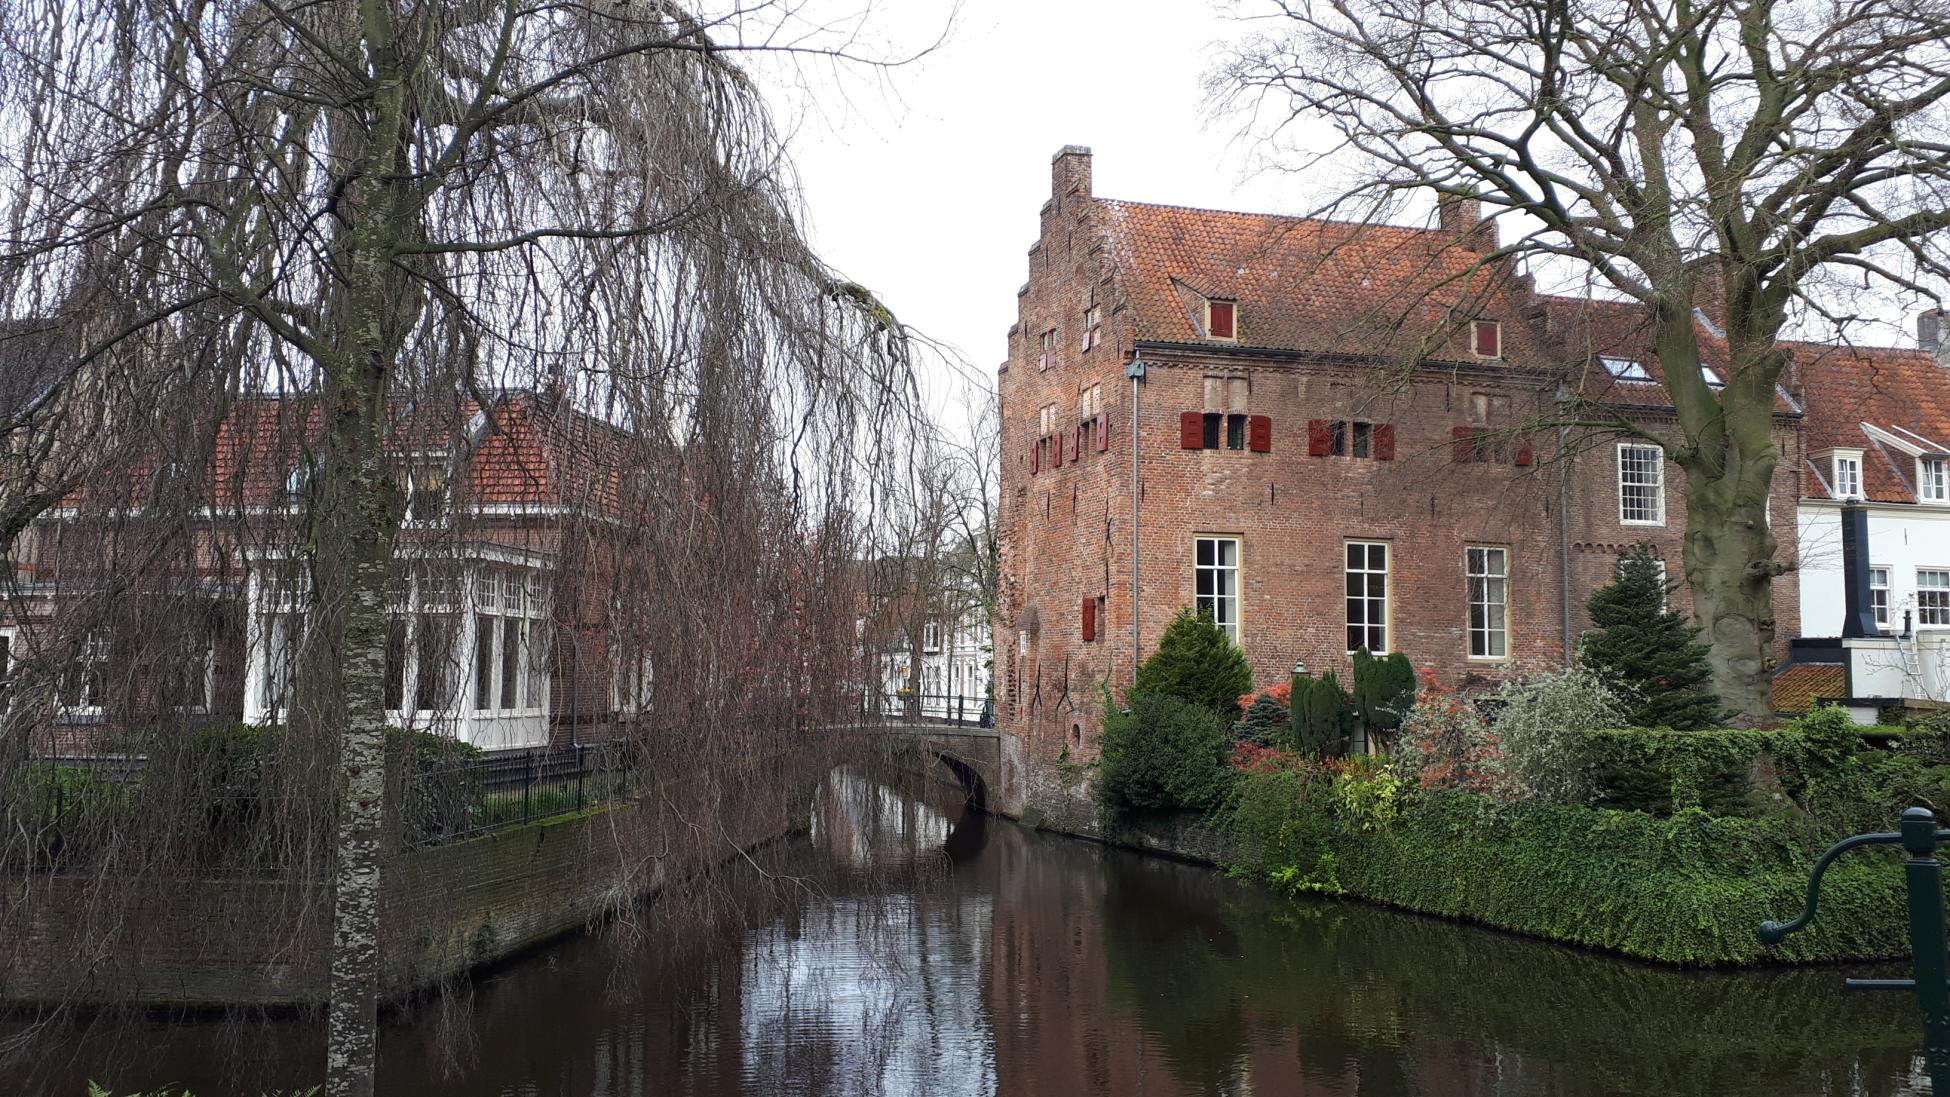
{"points": [[1689, 889]]}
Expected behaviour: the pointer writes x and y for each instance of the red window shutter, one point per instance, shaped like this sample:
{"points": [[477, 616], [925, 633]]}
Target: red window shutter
{"points": [[1463, 446], [1259, 433], [1524, 455], [1056, 451], [1191, 430], [1035, 458], [1103, 433], [1384, 441], [1089, 619], [1320, 438]]}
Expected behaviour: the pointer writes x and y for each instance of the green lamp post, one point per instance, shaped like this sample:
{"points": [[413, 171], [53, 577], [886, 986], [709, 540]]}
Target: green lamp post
{"points": [[1929, 951]]}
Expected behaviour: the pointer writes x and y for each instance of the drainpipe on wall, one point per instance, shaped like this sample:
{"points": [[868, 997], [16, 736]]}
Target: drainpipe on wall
{"points": [[1564, 531], [1135, 371]]}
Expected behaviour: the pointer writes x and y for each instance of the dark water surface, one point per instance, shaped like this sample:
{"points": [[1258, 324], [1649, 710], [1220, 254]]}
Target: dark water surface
{"points": [[1020, 963]]}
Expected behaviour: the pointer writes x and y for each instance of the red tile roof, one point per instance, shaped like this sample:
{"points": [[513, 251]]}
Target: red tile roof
{"points": [[1905, 393], [1799, 686], [1311, 285]]}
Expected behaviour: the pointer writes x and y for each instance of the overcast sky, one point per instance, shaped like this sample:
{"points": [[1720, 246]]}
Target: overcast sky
{"points": [[925, 185]]}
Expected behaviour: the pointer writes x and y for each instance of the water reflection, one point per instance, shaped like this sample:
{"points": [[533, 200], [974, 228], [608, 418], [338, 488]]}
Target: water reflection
{"points": [[930, 953]]}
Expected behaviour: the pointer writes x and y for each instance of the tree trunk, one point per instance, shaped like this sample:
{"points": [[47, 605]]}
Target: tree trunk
{"points": [[1730, 565]]}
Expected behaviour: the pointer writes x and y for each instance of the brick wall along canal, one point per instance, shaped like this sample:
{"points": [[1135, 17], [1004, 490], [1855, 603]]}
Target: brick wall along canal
{"points": [[1015, 962]]}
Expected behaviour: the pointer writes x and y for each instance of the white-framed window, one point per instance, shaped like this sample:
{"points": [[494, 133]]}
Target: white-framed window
{"points": [[1093, 325], [1090, 410], [1215, 581], [84, 680], [1932, 596], [510, 635], [1487, 570], [1847, 470], [8, 638], [930, 636], [1624, 369], [1367, 596], [1933, 479], [633, 681], [1046, 356], [283, 595], [1486, 338], [1879, 594], [1641, 484]]}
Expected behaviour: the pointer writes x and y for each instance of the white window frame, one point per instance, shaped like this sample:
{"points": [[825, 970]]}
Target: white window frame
{"points": [[1657, 484], [1220, 599], [1487, 587], [1845, 472], [1046, 343], [1933, 479], [414, 464], [931, 635], [1621, 368], [1933, 597], [94, 650], [1367, 596], [1093, 316], [1880, 608]]}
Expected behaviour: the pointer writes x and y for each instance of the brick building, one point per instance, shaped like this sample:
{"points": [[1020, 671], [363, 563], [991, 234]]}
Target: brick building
{"points": [[1317, 430]]}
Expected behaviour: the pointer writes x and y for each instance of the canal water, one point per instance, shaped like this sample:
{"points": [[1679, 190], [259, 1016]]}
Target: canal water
{"points": [[909, 948]]}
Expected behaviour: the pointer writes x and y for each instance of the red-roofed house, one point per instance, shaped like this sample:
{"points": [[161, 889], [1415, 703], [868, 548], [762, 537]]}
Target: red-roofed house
{"points": [[1878, 438], [1315, 431], [503, 630]]}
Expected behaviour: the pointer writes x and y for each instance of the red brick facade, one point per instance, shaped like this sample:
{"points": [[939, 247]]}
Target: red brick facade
{"points": [[1329, 328]]}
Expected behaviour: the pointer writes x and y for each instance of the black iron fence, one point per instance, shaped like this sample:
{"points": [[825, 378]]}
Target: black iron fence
{"points": [[961, 710], [71, 808], [473, 796]]}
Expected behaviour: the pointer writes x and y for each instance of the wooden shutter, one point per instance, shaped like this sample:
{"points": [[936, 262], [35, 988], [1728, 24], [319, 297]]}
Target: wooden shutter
{"points": [[1384, 441], [1524, 456], [1191, 430], [1089, 619], [1035, 458], [1463, 444], [1103, 433], [1320, 437], [1259, 433], [1056, 450]]}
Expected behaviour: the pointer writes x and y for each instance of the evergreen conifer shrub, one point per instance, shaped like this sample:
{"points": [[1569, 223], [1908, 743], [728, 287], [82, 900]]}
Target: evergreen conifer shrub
{"points": [[1266, 723], [1198, 663], [1649, 654], [1384, 692], [1321, 717], [1165, 753]]}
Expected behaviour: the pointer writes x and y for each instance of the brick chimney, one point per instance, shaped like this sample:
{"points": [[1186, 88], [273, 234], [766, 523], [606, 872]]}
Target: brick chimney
{"points": [[1462, 218], [1710, 289], [1929, 335], [1069, 173]]}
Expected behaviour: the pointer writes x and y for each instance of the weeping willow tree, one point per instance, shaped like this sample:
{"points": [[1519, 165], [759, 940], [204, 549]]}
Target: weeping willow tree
{"points": [[269, 277]]}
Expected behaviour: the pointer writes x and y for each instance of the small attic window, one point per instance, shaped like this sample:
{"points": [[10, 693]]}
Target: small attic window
{"points": [[1624, 369], [1712, 379], [1486, 338], [1222, 319]]}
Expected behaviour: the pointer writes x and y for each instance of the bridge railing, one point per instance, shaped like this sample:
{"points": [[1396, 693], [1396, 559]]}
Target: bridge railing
{"points": [[956, 710]]}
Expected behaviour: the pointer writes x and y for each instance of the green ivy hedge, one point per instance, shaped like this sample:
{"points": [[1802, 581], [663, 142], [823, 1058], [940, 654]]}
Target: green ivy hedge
{"points": [[1685, 889]]}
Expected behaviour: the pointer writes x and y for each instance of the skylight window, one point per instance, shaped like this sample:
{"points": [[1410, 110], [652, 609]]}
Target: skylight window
{"points": [[1712, 379], [1624, 369]]}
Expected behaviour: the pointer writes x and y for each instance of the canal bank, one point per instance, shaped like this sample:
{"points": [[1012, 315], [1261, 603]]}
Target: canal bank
{"points": [[1686, 890], [911, 950]]}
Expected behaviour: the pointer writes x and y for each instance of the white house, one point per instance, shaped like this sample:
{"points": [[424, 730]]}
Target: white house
{"points": [[1874, 518], [956, 658]]}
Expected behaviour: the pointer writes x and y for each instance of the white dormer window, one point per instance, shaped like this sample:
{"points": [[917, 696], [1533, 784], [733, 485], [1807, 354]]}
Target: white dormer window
{"points": [[1847, 470], [1222, 319], [1624, 369], [1712, 379], [1486, 338], [1933, 479]]}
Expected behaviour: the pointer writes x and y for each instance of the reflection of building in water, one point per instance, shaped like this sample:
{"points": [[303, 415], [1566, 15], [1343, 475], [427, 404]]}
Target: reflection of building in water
{"points": [[862, 823]]}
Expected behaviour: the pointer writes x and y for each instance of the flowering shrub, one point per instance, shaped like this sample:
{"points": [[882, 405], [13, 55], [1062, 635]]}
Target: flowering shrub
{"points": [[1541, 723], [1445, 742], [1281, 694]]}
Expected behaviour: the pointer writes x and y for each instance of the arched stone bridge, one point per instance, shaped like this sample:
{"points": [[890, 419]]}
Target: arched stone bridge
{"points": [[972, 755]]}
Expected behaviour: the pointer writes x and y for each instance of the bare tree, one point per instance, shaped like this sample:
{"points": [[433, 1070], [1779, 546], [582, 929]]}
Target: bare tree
{"points": [[1747, 157], [391, 209]]}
